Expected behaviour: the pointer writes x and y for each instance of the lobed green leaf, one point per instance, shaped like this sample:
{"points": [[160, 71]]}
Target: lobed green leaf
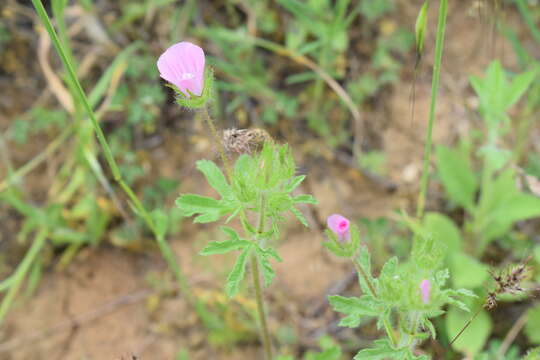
{"points": [[237, 274], [215, 177], [209, 209]]}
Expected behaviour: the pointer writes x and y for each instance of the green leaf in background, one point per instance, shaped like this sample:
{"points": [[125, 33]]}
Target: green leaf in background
{"points": [[214, 176], [444, 231], [519, 85], [497, 94], [209, 209], [467, 272], [373, 10], [237, 274], [533, 354], [519, 207], [474, 338], [355, 308], [537, 253], [420, 27], [457, 176], [330, 350], [532, 328], [501, 205]]}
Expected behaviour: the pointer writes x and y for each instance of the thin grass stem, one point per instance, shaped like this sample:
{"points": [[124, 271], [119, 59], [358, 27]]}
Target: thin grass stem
{"points": [[439, 44], [16, 281]]}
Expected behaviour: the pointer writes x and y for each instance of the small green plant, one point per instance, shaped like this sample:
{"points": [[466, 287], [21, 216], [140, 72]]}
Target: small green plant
{"points": [[257, 189], [402, 298], [330, 350]]}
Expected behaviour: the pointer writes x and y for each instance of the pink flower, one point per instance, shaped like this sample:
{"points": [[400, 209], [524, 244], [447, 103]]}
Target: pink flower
{"points": [[340, 226], [425, 288], [182, 65]]}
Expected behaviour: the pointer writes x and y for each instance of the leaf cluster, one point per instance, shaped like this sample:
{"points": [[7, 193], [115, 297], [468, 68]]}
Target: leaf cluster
{"points": [[261, 184], [396, 298]]}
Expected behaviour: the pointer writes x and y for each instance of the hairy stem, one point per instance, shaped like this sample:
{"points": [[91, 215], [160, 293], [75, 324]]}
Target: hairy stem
{"points": [[265, 334], [386, 323], [266, 341], [360, 270], [219, 142]]}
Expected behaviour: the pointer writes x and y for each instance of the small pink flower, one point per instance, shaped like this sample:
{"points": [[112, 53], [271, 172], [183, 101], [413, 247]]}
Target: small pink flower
{"points": [[182, 65], [340, 226], [425, 288]]}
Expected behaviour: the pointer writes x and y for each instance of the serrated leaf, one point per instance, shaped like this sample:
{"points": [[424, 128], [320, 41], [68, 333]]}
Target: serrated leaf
{"points": [[299, 216], [273, 253], [294, 182], [222, 247], [441, 276], [267, 270], [304, 199], [237, 274], [215, 177], [230, 232], [429, 325], [209, 209], [364, 260], [458, 304], [389, 269], [355, 308], [382, 350]]}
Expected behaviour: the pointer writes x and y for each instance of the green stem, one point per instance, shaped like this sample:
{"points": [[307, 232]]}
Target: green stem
{"points": [[219, 141], [389, 331], [16, 280], [260, 308], [360, 270], [434, 89], [265, 336], [164, 247], [387, 326]]}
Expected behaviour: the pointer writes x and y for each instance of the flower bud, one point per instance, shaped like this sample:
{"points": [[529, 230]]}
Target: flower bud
{"points": [[425, 288], [340, 226]]}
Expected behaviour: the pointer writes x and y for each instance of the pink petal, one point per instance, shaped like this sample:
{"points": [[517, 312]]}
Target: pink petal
{"points": [[425, 288], [182, 65], [339, 225]]}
